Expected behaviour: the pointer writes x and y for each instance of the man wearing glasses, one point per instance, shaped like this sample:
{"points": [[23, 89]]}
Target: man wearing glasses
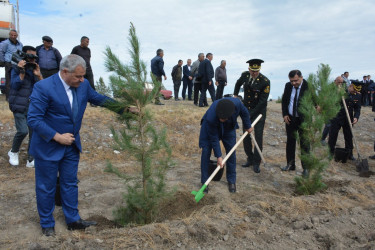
{"points": [[256, 91], [293, 93], [48, 57]]}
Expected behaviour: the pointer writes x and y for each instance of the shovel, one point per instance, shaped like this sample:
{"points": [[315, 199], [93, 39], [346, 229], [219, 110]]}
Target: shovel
{"points": [[199, 194], [361, 164], [259, 151]]}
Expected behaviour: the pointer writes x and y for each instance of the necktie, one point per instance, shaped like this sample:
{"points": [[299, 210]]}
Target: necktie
{"points": [[250, 82], [295, 102], [75, 102]]}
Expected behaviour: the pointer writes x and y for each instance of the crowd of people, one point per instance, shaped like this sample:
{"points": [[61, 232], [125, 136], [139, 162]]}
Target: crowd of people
{"points": [[48, 95], [197, 76]]}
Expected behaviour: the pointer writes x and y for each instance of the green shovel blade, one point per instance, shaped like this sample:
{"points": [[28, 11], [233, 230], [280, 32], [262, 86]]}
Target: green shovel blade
{"points": [[199, 194]]}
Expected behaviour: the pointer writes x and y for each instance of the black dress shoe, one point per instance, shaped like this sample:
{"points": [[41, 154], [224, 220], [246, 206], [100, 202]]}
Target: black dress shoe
{"points": [[305, 173], [232, 187], [80, 224], [205, 190], [246, 165], [289, 168], [48, 231], [372, 157], [256, 168]]}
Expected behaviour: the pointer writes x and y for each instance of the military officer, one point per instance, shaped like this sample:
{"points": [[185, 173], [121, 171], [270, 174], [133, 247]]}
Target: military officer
{"points": [[256, 91], [353, 102]]}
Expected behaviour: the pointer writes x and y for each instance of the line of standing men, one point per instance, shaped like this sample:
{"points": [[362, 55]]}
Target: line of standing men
{"points": [[19, 86]]}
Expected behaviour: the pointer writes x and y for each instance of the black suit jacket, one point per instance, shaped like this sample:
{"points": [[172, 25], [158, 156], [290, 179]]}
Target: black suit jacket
{"points": [[186, 72], [206, 71], [286, 96]]}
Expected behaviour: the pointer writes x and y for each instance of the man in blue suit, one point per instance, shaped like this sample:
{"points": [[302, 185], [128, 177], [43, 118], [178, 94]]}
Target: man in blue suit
{"points": [[187, 80], [205, 74], [220, 123], [57, 106]]}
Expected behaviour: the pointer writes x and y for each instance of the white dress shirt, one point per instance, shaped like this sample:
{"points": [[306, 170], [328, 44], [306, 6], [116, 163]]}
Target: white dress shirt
{"points": [[291, 101], [68, 91]]}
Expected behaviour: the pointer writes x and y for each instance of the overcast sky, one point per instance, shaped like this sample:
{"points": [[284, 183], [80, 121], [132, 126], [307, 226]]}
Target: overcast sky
{"points": [[286, 34]]}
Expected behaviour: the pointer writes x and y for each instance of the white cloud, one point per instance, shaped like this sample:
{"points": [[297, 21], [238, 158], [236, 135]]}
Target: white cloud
{"points": [[285, 34]]}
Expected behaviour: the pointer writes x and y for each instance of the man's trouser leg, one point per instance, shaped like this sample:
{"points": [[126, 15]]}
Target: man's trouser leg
{"points": [[211, 90], [197, 88], [20, 120], [184, 87], [157, 98], [202, 98], [348, 137], [176, 85], [90, 77], [220, 90], [305, 145], [45, 186], [326, 131], [205, 161], [190, 88], [333, 133], [291, 130], [229, 140]]}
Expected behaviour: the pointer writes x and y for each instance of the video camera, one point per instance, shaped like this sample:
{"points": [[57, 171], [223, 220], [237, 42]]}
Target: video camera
{"points": [[20, 55]]}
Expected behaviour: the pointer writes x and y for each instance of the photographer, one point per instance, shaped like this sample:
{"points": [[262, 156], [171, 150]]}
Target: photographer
{"points": [[23, 77]]}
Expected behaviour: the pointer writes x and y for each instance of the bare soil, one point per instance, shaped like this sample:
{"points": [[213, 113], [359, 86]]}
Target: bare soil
{"points": [[265, 213]]}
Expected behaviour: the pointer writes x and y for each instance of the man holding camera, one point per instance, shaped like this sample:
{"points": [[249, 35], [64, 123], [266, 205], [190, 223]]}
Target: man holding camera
{"points": [[23, 77], [7, 48]]}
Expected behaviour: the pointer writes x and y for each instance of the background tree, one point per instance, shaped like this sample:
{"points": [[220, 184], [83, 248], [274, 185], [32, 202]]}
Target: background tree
{"points": [[101, 88], [323, 93], [139, 138]]}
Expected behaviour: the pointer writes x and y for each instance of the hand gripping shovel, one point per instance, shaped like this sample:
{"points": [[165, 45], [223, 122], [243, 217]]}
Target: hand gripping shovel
{"points": [[199, 194], [361, 164]]}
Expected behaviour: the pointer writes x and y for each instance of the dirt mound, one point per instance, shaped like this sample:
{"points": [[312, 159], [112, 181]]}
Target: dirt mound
{"points": [[103, 223], [182, 205]]}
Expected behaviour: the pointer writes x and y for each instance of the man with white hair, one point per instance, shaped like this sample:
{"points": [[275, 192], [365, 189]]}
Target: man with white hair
{"points": [[57, 106]]}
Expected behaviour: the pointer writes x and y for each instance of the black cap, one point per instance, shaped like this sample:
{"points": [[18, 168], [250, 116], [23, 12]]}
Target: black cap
{"points": [[357, 85], [47, 39], [255, 64], [225, 109]]}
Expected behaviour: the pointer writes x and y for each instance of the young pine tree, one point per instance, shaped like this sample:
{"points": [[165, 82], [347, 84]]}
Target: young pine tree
{"points": [[327, 97], [139, 138]]}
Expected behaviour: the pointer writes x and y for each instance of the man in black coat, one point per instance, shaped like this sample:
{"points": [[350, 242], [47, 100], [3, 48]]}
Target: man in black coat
{"points": [[291, 100], [187, 81], [205, 74], [177, 78], [353, 103]]}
